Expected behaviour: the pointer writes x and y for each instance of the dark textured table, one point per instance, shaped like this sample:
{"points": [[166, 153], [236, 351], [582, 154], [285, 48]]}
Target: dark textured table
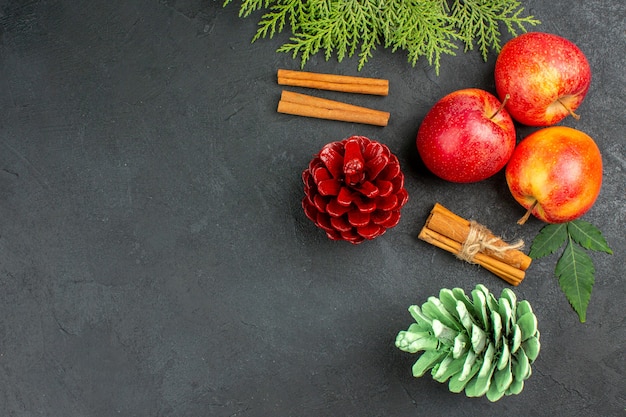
{"points": [[155, 259]]}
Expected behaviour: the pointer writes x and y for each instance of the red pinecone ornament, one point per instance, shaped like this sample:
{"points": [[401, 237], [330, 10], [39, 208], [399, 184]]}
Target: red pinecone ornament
{"points": [[354, 189]]}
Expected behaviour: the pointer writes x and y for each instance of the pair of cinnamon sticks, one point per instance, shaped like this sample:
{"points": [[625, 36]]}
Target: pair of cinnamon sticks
{"points": [[451, 232], [310, 106]]}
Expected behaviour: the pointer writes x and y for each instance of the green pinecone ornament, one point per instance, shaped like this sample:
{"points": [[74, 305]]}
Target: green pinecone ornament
{"points": [[481, 344]]}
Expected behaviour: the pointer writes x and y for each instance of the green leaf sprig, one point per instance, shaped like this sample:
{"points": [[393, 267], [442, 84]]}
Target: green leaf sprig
{"points": [[574, 269], [422, 28]]}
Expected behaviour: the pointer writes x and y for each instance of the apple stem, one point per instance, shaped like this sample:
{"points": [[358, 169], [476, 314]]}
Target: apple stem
{"points": [[528, 213], [506, 98], [570, 111]]}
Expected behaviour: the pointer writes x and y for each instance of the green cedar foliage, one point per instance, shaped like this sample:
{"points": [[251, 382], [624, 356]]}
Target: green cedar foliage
{"points": [[421, 28]]}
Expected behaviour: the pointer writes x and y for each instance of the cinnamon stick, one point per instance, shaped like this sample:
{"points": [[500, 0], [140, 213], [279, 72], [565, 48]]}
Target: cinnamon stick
{"points": [[334, 82], [449, 224], [453, 233], [508, 273], [309, 106]]}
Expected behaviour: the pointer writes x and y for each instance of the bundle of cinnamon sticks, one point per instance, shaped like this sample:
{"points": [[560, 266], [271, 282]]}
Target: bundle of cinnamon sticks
{"points": [[310, 106], [474, 243]]}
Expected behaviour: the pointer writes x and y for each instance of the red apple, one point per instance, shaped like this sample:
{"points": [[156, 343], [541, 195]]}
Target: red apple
{"points": [[545, 75], [467, 136], [555, 173]]}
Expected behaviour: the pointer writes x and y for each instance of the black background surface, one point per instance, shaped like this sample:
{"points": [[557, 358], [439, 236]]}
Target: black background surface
{"points": [[155, 260]]}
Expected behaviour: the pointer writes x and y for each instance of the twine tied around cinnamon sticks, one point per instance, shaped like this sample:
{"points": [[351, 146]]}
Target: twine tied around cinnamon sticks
{"points": [[474, 243], [480, 239]]}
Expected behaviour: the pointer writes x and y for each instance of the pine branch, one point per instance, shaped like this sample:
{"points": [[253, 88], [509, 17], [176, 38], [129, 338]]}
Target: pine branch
{"points": [[421, 28], [479, 21]]}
